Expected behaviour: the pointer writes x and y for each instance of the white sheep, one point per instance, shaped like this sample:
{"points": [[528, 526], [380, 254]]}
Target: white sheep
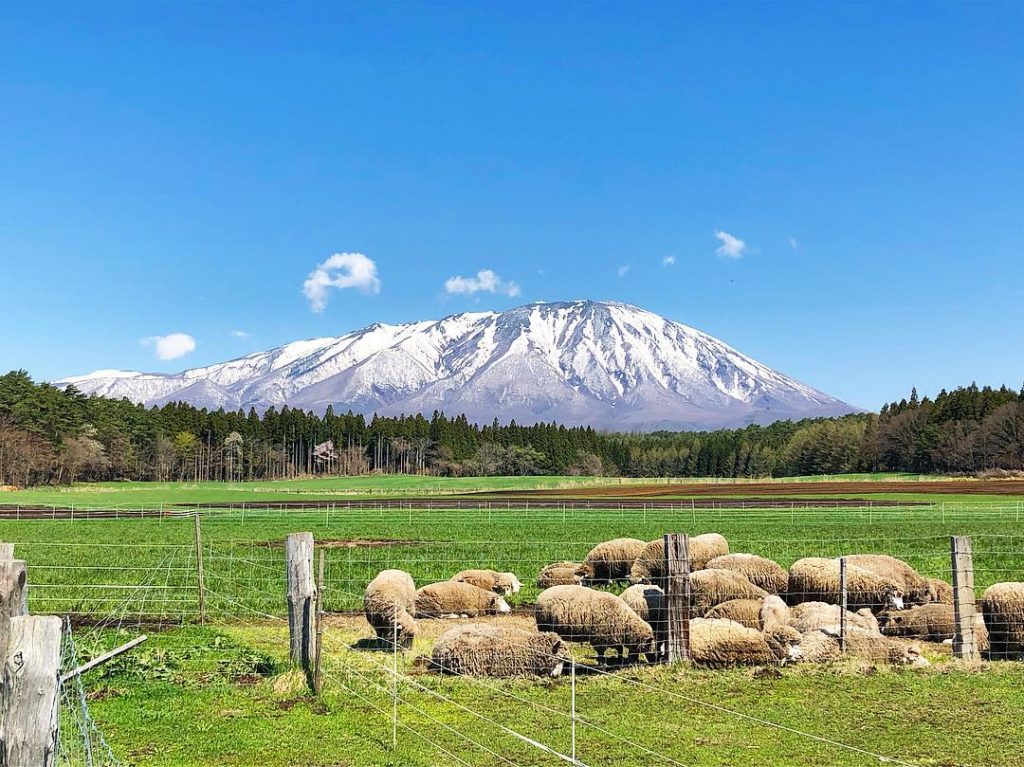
{"points": [[498, 651], [389, 605], [581, 614], [490, 580], [451, 599], [815, 579], [611, 561]]}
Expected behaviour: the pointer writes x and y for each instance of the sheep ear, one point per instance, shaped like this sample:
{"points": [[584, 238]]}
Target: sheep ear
{"points": [[830, 631]]}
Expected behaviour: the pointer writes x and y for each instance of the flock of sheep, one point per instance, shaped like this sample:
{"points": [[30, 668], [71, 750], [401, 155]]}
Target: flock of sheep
{"points": [[745, 610]]}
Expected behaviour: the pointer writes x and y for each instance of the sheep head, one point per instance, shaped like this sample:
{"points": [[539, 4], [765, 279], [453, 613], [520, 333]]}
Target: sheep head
{"points": [[784, 642], [893, 597]]}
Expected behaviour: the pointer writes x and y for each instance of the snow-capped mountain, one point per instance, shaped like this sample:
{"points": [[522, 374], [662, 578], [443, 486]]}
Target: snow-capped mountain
{"points": [[609, 365]]}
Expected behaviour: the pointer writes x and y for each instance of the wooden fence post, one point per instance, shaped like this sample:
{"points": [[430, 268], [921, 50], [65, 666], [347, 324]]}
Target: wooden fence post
{"points": [[13, 596], [29, 707], [200, 574], [964, 610], [843, 603], [301, 602], [677, 595], [6, 551]]}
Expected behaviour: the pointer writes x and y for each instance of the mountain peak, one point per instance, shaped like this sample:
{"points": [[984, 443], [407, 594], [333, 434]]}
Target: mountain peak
{"points": [[602, 363]]}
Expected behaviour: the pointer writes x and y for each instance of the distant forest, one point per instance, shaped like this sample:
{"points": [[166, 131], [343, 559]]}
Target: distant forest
{"points": [[49, 435]]}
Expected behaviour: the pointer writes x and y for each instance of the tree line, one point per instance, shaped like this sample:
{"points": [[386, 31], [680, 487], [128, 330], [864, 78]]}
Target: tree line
{"points": [[52, 435]]}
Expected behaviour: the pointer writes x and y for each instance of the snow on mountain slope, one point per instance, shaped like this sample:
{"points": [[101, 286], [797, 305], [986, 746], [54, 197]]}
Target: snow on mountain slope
{"points": [[605, 364]]}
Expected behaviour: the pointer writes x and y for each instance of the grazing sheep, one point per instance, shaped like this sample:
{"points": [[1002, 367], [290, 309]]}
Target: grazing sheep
{"points": [[1003, 608], [913, 586], [814, 579], [453, 599], [822, 646], [720, 643], [764, 573], [498, 651], [490, 580], [712, 587], [934, 622], [648, 602], [564, 574], [581, 614], [649, 567], [811, 616], [939, 591], [746, 612], [611, 561], [389, 605]]}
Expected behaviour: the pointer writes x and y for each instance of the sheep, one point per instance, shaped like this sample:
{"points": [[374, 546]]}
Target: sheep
{"points": [[498, 651], [811, 616], [648, 602], [1003, 608], [765, 573], [712, 587], [939, 591], [934, 622], [611, 561], [454, 599], [746, 612], [581, 614], [814, 579], [913, 586], [490, 580], [722, 643], [649, 567], [564, 574], [822, 646], [389, 605]]}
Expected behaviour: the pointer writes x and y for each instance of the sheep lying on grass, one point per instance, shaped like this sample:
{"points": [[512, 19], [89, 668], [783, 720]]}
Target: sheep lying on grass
{"points": [[564, 574], [712, 587], [648, 602], [939, 591], [498, 651], [811, 616], [1003, 608], [721, 643], [914, 587], [490, 580], [389, 605], [815, 579], [649, 567], [931, 622], [451, 599], [580, 614], [822, 646], [612, 560], [764, 573], [746, 612]]}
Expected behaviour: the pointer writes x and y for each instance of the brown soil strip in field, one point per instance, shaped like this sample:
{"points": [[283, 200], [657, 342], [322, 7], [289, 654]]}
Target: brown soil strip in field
{"points": [[355, 543]]}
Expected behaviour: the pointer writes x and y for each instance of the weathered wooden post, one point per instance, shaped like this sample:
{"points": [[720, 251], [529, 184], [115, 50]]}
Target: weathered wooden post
{"points": [[301, 602], [200, 574], [843, 602], [29, 707], [964, 609], [13, 595], [677, 595], [6, 551]]}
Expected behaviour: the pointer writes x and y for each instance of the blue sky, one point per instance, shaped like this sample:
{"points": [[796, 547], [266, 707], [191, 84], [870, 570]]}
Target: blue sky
{"points": [[183, 168]]}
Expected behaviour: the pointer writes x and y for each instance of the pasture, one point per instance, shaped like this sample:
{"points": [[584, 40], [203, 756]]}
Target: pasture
{"points": [[221, 693]]}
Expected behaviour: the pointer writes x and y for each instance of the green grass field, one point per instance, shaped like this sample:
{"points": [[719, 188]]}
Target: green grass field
{"points": [[220, 695]]}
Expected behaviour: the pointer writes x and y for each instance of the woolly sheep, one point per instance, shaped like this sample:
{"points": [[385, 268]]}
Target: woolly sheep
{"points": [[564, 574], [650, 565], [498, 651], [913, 586], [389, 605], [814, 579], [932, 622], [720, 643], [712, 587], [822, 646], [746, 612], [490, 580], [939, 591], [581, 614], [611, 561], [453, 599], [648, 602], [764, 573], [1003, 608], [811, 616]]}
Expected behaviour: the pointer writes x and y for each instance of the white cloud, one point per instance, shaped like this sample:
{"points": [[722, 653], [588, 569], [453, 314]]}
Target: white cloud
{"points": [[171, 346], [668, 261], [342, 270], [731, 247], [240, 334], [485, 280], [793, 243], [622, 270]]}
